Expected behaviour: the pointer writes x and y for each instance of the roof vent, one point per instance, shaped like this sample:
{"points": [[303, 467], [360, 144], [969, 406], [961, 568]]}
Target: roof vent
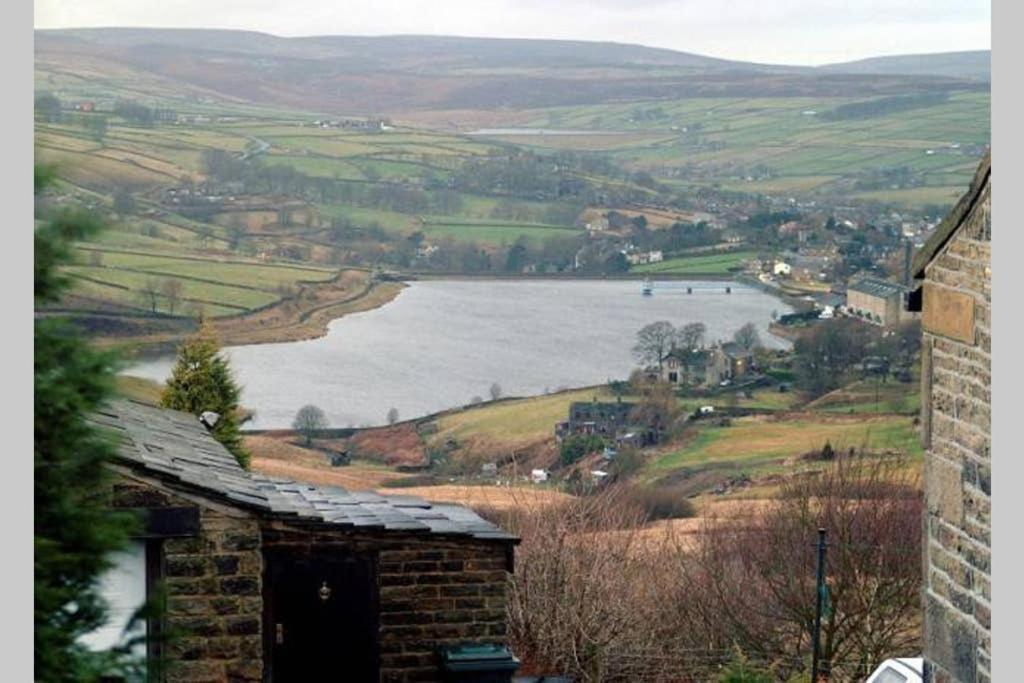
{"points": [[209, 418]]}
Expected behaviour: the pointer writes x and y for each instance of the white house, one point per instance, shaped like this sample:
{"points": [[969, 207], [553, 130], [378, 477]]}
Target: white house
{"points": [[539, 476], [782, 268]]}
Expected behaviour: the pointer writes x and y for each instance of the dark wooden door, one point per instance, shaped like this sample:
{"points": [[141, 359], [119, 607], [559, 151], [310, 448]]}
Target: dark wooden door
{"points": [[323, 621]]}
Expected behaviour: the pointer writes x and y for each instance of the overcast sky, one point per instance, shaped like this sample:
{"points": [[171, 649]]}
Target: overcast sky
{"points": [[772, 31]]}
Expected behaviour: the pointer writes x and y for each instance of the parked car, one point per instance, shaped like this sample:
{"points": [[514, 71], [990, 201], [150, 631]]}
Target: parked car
{"points": [[705, 410], [902, 670]]}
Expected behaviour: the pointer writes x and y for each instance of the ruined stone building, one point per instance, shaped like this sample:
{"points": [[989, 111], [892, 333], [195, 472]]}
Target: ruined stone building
{"points": [[954, 295]]}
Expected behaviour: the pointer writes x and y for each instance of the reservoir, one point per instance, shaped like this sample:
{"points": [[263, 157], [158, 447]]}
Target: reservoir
{"points": [[441, 343]]}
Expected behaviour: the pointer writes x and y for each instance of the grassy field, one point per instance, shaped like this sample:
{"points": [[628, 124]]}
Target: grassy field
{"points": [[219, 287], [714, 264], [726, 138], [758, 441], [514, 422]]}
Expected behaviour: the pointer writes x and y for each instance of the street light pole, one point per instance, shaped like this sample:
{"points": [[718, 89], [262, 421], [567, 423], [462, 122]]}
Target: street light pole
{"points": [[817, 609]]}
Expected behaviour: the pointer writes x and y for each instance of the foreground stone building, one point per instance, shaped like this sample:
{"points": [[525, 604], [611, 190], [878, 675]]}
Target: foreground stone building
{"points": [[265, 579], [953, 272]]}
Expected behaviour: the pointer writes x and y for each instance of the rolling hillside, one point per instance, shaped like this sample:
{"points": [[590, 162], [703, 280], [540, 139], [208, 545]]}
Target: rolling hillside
{"points": [[396, 74]]}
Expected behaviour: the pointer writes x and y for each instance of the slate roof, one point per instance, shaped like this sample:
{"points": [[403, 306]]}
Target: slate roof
{"points": [[689, 358], [174, 445], [875, 287], [735, 351]]}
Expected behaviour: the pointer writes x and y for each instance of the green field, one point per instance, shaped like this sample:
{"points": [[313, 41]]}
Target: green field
{"points": [[714, 264], [513, 423], [219, 287], [756, 441], [729, 137]]}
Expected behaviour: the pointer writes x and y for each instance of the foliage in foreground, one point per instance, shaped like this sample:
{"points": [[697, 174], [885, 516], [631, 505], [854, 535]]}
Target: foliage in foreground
{"points": [[601, 596], [75, 528]]}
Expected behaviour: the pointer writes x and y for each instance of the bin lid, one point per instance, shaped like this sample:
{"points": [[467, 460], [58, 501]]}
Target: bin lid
{"points": [[478, 658]]}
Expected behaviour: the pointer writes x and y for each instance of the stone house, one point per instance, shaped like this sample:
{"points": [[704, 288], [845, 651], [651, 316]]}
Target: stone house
{"points": [[265, 579], [706, 367], [608, 419], [686, 367], [954, 295], [877, 301]]}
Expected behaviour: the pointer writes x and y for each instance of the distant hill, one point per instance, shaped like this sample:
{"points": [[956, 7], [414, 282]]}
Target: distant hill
{"points": [[975, 65], [396, 74]]}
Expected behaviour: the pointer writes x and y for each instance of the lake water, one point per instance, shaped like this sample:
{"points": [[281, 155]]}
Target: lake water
{"points": [[440, 343]]}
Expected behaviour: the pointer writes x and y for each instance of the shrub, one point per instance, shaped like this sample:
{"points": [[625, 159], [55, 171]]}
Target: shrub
{"points": [[576, 446], [662, 503]]}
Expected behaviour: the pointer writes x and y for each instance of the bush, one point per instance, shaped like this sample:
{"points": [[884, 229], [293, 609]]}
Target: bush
{"points": [[662, 503], [576, 446]]}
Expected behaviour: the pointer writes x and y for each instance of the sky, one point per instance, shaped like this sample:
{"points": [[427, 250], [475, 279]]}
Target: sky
{"points": [[807, 32]]}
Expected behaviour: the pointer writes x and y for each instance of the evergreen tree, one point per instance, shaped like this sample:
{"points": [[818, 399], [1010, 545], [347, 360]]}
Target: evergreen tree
{"points": [[75, 527], [202, 381]]}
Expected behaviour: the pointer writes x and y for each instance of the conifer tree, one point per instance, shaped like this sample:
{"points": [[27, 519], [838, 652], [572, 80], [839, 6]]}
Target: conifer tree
{"points": [[202, 381], [75, 529]]}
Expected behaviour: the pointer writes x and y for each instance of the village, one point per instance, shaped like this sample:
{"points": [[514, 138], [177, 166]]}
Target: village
{"points": [[515, 359]]}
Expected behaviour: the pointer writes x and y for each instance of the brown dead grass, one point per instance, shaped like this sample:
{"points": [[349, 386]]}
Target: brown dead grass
{"points": [[279, 457], [487, 497], [398, 445]]}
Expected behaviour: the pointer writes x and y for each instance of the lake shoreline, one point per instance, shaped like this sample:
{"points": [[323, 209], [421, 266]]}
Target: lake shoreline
{"points": [[442, 344]]}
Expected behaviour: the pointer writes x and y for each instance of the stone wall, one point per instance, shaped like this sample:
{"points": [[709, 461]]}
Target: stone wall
{"points": [[956, 377], [213, 589], [437, 596], [432, 593]]}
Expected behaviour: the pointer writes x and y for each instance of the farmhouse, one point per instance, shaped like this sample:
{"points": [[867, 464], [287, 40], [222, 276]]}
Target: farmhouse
{"points": [[265, 579], [878, 301], [599, 418], [706, 367], [954, 275]]}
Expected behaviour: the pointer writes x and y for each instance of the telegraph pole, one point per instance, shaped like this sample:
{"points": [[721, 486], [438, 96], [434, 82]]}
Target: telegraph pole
{"points": [[820, 584]]}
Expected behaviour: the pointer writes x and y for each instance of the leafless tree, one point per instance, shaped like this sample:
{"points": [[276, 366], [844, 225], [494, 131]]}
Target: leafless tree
{"points": [[149, 292], [691, 336], [748, 337], [495, 391], [753, 583], [171, 290], [392, 416], [309, 421], [654, 341]]}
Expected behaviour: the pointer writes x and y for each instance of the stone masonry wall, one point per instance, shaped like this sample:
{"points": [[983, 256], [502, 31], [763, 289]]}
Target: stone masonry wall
{"points": [[956, 372], [438, 596], [432, 593], [213, 589]]}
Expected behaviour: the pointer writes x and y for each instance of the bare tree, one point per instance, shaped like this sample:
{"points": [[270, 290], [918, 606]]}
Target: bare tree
{"points": [[751, 582], [149, 291], [495, 391], [691, 336], [747, 337], [654, 341], [171, 290], [392, 415], [309, 421], [205, 234]]}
